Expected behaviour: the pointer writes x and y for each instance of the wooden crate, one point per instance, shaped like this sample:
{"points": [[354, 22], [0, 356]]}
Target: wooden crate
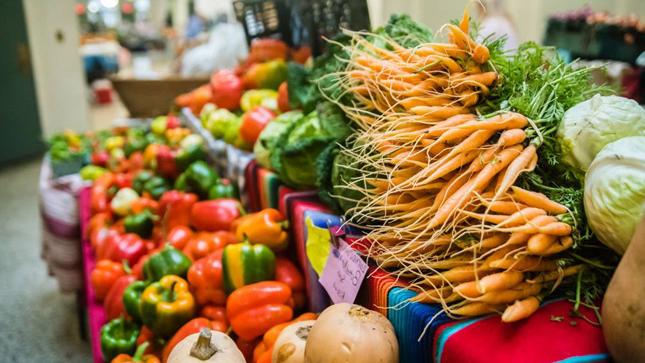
{"points": [[152, 97]]}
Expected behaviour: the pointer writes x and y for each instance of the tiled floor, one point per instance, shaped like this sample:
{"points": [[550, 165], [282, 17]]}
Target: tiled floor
{"points": [[37, 322]]}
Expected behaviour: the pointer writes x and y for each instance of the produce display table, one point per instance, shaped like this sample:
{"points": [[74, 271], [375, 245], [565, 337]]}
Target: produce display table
{"points": [[94, 310]]}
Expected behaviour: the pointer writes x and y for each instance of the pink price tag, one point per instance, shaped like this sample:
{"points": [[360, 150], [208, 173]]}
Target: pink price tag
{"points": [[343, 273]]}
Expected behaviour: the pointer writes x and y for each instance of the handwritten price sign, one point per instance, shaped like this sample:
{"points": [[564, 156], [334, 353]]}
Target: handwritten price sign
{"points": [[343, 273]]}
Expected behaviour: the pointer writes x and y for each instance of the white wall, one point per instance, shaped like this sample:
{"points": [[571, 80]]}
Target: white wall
{"points": [[58, 72], [529, 16]]}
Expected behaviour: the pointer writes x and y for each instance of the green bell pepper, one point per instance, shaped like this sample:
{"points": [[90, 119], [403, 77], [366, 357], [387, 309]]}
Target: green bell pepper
{"points": [[166, 305], [132, 299], [169, 261], [140, 223], [244, 264], [223, 189], [156, 186], [140, 180], [180, 182], [189, 154], [117, 337], [135, 141], [199, 178]]}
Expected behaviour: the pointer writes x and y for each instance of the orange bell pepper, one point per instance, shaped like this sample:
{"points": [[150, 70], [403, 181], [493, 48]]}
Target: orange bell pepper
{"points": [[264, 350], [104, 275], [264, 227], [256, 308], [287, 272], [205, 278], [191, 327], [137, 357], [203, 243]]}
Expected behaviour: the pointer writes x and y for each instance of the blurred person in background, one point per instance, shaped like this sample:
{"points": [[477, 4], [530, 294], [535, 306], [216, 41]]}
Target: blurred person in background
{"points": [[494, 19], [196, 23]]}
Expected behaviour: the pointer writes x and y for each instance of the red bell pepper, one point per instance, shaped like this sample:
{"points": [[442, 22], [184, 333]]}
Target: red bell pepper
{"points": [[166, 164], [113, 302], [147, 336], [203, 243], [226, 88], [283, 97], [205, 279], [191, 327], [121, 247], [287, 272], [104, 275], [253, 122], [214, 313], [179, 236], [246, 347], [137, 269], [215, 215], [100, 158], [175, 208], [256, 308], [99, 194], [123, 180]]}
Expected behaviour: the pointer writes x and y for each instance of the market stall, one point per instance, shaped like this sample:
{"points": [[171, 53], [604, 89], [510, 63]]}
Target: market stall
{"points": [[407, 196]]}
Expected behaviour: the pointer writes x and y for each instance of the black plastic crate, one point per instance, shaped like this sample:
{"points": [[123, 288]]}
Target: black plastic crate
{"points": [[301, 22]]}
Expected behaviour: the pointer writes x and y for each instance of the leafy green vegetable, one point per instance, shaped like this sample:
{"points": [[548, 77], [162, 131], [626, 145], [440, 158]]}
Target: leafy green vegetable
{"points": [[267, 141], [304, 140], [405, 31]]}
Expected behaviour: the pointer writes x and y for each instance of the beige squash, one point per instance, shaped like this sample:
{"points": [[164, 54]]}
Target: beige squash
{"points": [[623, 308], [290, 345], [351, 333], [206, 346]]}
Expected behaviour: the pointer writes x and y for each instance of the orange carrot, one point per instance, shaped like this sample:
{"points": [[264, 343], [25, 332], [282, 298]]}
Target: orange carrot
{"points": [[517, 238], [514, 169], [525, 263], [521, 291], [562, 244], [511, 137], [492, 241], [539, 243], [538, 200], [556, 229], [467, 289], [555, 274], [532, 227], [456, 274], [505, 121], [521, 309], [499, 281], [503, 207], [522, 216], [440, 112], [478, 183], [474, 309]]}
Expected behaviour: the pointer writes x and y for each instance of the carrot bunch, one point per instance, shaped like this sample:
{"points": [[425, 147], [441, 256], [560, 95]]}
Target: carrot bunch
{"points": [[438, 182]]}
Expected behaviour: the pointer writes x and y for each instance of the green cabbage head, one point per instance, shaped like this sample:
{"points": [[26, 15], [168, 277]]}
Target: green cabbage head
{"points": [[590, 125], [615, 191]]}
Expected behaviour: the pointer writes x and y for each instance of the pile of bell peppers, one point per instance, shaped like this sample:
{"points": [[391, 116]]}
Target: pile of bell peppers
{"points": [[176, 251]]}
